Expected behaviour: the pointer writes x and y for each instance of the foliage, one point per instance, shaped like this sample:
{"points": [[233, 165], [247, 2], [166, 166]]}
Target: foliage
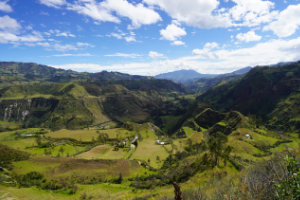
{"points": [[289, 186], [218, 148], [260, 92], [8, 155]]}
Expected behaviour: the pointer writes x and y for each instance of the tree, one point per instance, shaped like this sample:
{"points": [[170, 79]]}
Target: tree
{"points": [[217, 147], [61, 150], [120, 179], [38, 140], [103, 137]]}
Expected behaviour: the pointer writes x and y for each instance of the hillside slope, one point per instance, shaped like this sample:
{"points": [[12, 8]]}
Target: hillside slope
{"points": [[261, 92], [34, 95], [203, 84]]}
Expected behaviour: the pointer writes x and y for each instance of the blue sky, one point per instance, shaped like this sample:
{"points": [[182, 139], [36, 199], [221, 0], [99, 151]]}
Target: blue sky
{"points": [[149, 37]]}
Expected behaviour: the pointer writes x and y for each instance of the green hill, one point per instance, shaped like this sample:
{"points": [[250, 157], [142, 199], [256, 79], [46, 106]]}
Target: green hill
{"points": [[268, 93], [35, 95]]}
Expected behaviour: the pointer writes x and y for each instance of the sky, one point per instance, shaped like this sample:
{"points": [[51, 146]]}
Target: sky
{"points": [[149, 37]]}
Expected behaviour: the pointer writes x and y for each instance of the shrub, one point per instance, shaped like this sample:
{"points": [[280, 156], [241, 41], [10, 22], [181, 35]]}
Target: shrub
{"points": [[289, 187]]}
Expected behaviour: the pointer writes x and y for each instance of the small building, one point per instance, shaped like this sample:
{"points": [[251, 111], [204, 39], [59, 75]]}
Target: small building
{"points": [[248, 136]]}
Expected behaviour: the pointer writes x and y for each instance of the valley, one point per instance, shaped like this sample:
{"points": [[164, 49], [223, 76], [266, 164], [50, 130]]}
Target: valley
{"points": [[108, 135]]}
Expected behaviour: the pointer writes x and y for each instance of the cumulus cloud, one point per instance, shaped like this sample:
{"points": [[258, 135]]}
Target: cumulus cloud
{"points": [[53, 3], [173, 32], [4, 7], [9, 32], [287, 23], [104, 11], [197, 13], [7, 37], [206, 52], [248, 37], [178, 43], [93, 10], [9, 24], [208, 14], [154, 54], [252, 13], [211, 45], [138, 14]]}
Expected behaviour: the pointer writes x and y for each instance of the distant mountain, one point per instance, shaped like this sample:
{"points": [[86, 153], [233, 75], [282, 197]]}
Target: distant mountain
{"points": [[12, 73], [203, 84], [240, 71], [182, 76], [269, 93]]}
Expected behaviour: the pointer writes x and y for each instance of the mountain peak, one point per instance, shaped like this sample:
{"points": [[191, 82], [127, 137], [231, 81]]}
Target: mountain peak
{"points": [[182, 76]]}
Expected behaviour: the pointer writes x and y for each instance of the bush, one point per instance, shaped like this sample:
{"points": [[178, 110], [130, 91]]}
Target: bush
{"points": [[289, 187]]}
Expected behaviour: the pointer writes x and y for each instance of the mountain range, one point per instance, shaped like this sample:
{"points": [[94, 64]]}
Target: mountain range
{"points": [[186, 77]]}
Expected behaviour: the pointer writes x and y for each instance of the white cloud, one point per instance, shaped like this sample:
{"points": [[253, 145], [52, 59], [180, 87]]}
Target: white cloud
{"points": [[173, 32], [84, 44], [4, 7], [132, 55], [211, 45], [9, 24], [8, 37], [178, 43], [154, 54], [53, 3], [224, 61], [206, 51], [248, 37], [59, 33], [287, 23], [104, 11], [64, 47], [73, 55], [208, 14], [128, 37], [252, 12], [116, 35], [43, 44], [138, 14], [197, 13], [93, 9], [9, 33]]}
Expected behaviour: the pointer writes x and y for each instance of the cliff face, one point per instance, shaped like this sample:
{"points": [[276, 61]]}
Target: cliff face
{"points": [[24, 109]]}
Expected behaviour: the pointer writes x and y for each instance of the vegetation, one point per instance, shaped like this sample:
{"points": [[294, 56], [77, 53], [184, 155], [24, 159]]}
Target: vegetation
{"points": [[70, 135]]}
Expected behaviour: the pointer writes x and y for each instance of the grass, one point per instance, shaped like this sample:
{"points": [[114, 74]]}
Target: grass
{"points": [[84, 135], [6, 125], [9, 138], [87, 135], [103, 152], [103, 163], [147, 150], [93, 105], [63, 150], [54, 168]]}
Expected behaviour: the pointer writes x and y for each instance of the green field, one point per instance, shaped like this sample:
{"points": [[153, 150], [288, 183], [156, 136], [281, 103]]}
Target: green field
{"points": [[77, 156]]}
